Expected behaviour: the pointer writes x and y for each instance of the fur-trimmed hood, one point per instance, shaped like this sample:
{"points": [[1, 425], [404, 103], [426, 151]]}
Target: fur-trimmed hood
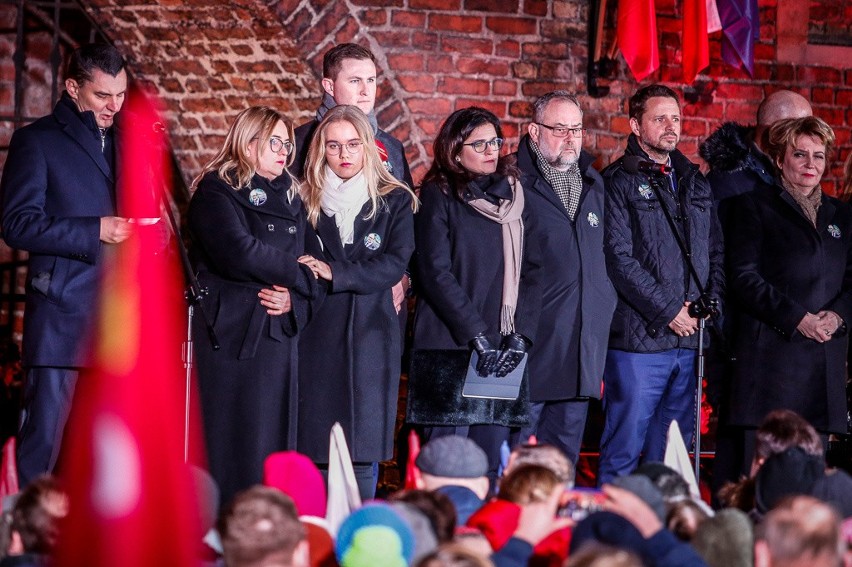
{"points": [[727, 149]]}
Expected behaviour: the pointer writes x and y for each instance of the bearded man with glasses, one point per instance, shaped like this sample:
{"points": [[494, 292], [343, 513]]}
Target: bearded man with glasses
{"points": [[565, 194]]}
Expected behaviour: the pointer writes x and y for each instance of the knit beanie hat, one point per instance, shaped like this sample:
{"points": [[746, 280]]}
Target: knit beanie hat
{"points": [[393, 545]]}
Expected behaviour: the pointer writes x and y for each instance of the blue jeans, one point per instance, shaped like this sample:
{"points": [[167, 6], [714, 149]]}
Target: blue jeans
{"points": [[643, 393]]}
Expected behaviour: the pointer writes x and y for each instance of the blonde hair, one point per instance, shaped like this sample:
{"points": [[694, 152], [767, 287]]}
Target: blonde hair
{"points": [[233, 163], [379, 181], [527, 484], [784, 133]]}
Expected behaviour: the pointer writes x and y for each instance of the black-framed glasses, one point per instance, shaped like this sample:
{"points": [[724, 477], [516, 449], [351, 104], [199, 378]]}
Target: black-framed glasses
{"points": [[562, 131], [352, 147], [276, 144], [480, 145]]}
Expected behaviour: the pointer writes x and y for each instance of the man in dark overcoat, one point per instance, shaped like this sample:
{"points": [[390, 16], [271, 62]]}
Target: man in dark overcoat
{"points": [[59, 204], [565, 194], [649, 377]]}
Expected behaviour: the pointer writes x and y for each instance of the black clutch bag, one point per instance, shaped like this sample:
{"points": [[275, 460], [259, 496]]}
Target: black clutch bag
{"points": [[436, 379]]}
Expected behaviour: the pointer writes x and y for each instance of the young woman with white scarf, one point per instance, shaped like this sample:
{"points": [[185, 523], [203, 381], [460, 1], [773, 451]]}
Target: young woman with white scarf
{"points": [[349, 364], [477, 290]]}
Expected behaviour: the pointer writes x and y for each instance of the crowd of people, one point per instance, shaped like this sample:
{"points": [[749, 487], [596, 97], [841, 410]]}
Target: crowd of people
{"points": [[530, 267]]}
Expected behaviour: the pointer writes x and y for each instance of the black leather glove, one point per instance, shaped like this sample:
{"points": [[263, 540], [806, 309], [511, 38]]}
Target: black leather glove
{"points": [[512, 351], [488, 354]]}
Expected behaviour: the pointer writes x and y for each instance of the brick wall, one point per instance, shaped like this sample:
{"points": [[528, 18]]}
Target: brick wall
{"points": [[208, 59]]}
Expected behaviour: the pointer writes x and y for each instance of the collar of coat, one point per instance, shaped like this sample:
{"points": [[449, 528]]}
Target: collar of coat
{"points": [[683, 167]]}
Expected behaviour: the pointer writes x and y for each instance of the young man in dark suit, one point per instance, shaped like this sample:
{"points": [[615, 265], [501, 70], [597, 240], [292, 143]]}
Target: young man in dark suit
{"points": [[58, 199]]}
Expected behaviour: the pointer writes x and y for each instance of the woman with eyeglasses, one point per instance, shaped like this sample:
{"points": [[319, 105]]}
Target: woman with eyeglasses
{"points": [[248, 228], [349, 365], [476, 277]]}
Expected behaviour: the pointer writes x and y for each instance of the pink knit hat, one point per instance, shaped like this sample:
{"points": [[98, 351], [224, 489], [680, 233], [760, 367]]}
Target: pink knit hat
{"points": [[296, 476]]}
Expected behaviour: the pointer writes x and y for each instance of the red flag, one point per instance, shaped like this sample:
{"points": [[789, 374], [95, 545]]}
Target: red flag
{"points": [[637, 36], [696, 44], [8, 470], [412, 473], [130, 496]]}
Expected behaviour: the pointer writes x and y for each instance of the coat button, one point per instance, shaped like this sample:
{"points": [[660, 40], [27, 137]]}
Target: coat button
{"points": [[270, 227], [292, 230]]}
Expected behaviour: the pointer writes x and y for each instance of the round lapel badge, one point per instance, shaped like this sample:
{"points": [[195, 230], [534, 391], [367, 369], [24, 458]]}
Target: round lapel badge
{"points": [[257, 197], [372, 241], [593, 220], [834, 230]]}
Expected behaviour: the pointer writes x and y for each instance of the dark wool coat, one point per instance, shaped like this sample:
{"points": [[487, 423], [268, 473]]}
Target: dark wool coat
{"points": [[643, 259], [350, 355], [248, 388], [397, 164], [737, 166], [460, 280], [779, 268], [56, 185], [577, 298]]}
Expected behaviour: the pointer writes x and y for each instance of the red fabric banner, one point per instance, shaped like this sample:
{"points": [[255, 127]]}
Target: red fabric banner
{"points": [[696, 44], [130, 494], [637, 36]]}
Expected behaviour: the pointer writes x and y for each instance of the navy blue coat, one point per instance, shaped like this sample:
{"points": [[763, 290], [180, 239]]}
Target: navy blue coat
{"points": [[577, 297], [643, 259], [779, 268], [349, 362], [56, 185]]}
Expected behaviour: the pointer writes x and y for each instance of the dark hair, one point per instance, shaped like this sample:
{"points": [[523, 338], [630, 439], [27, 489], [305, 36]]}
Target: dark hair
{"points": [[87, 58], [637, 103], [540, 105], [332, 61], [436, 506], [446, 172], [782, 429], [528, 484], [259, 523], [37, 513]]}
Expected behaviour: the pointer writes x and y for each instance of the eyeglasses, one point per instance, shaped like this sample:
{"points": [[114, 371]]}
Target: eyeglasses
{"points": [[480, 145], [334, 149], [276, 144], [561, 131]]}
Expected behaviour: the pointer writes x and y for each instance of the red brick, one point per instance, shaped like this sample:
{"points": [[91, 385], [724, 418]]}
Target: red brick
{"points": [[764, 52], [844, 98], [694, 127], [202, 105], [405, 61], [374, 17], [508, 48], [538, 88], [549, 50], [512, 26], [391, 39], [520, 109], [822, 95], [452, 85], [439, 106], [524, 70], [739, 91], [417, 83], [454, 22], [620, 124], [258, 67], [566, 10], [439, 63], [497, 107], [481, 66], [187, 67], [406, 19], [467, 45], [504, 88], [429, 126], [502, 6], [536, 7], [434, 4], [817, 75], [425, 41]]}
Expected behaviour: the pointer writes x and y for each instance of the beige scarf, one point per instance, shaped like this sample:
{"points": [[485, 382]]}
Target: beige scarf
{"points": [[508, 214], [808, 203]]}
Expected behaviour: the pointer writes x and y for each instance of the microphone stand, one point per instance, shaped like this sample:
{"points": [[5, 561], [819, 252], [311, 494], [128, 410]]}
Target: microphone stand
{"points": [[702, 308], [193, 294]]}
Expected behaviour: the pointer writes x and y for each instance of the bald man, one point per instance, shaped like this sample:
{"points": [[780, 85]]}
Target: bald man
{"points": [[736, 154]]}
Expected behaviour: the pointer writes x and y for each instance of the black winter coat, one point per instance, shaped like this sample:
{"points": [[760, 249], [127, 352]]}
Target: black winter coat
{"points": [[350, 355], [577, 297], [248, 388], [737, 166], [643, 259], [460, 282], [780, 268]]}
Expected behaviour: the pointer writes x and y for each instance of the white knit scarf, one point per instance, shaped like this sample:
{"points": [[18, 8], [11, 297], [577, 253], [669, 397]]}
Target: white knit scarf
{"points": [[343, 199]]}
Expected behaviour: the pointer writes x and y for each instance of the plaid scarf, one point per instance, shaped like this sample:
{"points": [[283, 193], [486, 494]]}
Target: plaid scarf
{"points": [[568, 185]]}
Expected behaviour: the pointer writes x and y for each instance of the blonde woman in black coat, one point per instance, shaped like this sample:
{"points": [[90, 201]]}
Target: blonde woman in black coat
{"points": [[789, 260], [349, 357], [248, 228]]}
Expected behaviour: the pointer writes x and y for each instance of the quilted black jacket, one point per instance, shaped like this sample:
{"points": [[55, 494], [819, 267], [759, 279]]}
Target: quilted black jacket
{"points": [[643, 259]]}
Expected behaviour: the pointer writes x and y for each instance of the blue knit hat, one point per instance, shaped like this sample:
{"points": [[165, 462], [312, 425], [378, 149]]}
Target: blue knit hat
{"points": [[356, 547]]}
